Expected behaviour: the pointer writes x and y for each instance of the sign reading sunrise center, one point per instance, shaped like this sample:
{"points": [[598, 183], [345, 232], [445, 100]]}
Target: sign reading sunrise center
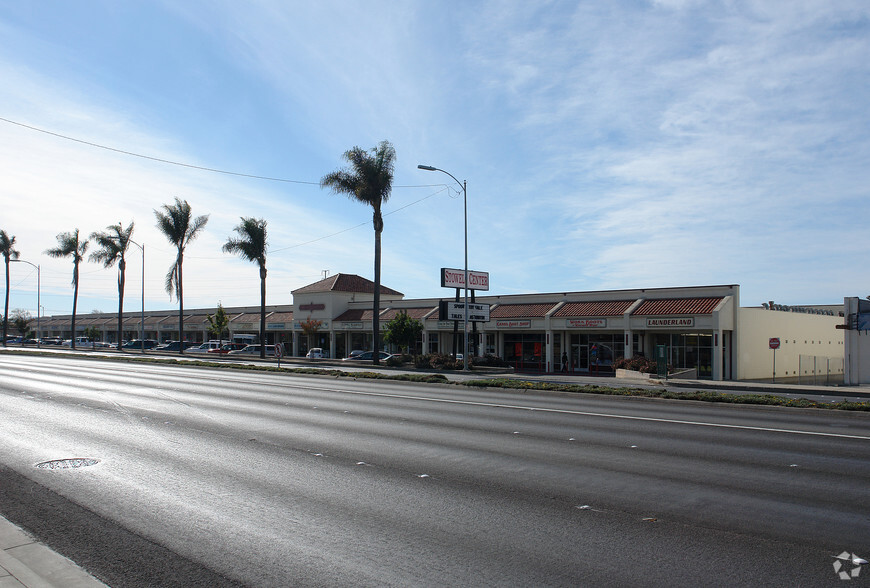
{"points": [[455, 278]]}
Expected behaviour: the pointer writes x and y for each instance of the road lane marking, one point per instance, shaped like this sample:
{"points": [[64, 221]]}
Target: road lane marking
{"points": [[602, 414], [560, 411]]}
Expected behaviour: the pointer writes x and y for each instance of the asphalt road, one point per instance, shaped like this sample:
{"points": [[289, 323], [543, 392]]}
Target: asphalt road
{"points": [[210, 477]]}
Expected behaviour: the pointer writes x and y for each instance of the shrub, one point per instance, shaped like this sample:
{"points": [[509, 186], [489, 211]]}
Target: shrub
{"points": [[490, 360], [638, 364]]}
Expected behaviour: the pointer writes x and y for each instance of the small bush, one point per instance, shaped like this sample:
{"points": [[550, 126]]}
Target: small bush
{"points": [[637, 364], [490, 360]]}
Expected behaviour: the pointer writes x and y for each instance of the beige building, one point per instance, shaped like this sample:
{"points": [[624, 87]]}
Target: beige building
{"points": [[702, 330]]}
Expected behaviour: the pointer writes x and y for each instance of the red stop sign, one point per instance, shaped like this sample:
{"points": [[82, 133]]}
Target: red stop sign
{"points": [[774, 342]]}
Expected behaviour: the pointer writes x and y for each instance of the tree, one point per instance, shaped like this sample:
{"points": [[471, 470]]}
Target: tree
{"points": [[7, 247], [369, 180], [69, 245], [180, 229], [252, 246], [113, 244], [218, 324], [403, 331], [21, 321], [92, 333], [310, 327]]}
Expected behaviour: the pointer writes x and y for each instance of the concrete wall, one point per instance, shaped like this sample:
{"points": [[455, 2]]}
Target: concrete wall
{"points": [[857, 343], [799, 334]]}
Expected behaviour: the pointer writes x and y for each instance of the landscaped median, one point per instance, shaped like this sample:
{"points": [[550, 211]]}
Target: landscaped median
{"points": [[506, 383]]}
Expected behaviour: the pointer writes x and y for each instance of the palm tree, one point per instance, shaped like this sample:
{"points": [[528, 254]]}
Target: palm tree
{"points": [[7, 245], [252, 246], [113, 245], [368, 180], [180, 230], [69, 245]]}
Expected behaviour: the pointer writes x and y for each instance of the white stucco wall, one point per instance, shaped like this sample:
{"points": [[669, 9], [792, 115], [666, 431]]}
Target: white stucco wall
{"points": [[799, 334]]}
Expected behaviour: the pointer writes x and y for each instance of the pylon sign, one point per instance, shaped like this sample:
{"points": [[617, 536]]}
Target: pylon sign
{"points": [[455, 311], [455, 278]]}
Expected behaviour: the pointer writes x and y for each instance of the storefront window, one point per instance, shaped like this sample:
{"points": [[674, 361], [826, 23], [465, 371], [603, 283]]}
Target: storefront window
{"points": [[525, 351], [689, 351], [595, 351]]}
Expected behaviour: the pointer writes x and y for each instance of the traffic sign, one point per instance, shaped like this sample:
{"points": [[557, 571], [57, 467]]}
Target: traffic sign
{"points": [[774, 342]]}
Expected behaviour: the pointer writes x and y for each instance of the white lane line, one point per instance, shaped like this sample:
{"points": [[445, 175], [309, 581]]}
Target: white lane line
{"points": [[572, 412], [604, 415]]}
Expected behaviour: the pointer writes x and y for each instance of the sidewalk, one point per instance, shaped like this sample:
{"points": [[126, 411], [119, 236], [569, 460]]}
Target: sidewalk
{"points": [[24, 562]]}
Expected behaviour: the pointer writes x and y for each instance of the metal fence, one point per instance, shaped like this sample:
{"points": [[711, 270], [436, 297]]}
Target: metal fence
{"points": [[814, 369]]}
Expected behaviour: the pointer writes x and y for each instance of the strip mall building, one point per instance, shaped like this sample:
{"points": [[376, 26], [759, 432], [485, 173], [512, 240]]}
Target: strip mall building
{"points": [[703, 329]]}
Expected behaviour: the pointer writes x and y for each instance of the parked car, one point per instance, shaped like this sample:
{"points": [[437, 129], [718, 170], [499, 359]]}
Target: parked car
{"points": [[316, 353], [254, 350], [175, 346], [137, 344], [227, 347], [209, 345], [51, 341], [368, 356], [355, 352], [80, 342]]}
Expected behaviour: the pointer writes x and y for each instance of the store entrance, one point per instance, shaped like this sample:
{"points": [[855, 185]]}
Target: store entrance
{"points": [[689, 351], [596, 352]]}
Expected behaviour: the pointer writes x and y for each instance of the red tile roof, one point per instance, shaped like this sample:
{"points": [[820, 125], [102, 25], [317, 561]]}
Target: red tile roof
{"points": [[595, 308], [280, 317], [677, 306], [345, 283], [245, 317], [355, 315], [414, 313], [508, 311]]}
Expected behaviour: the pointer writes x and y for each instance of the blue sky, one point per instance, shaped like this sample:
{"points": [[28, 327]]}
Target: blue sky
{"points": [[606, 145]]}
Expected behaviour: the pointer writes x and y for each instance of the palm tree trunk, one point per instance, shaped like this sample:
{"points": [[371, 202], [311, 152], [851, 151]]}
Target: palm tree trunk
{"points": [[72, 342], [180, 308], [376, 326], [262, 313], [121, 279], [6, 307]]}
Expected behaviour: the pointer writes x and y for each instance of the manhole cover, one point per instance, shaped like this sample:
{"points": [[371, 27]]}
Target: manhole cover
{"points": [[66, 464]]}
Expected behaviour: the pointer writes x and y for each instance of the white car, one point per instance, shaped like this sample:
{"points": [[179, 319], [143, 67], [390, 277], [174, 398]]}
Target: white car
{"points": [[254, 350], [316, 353]]}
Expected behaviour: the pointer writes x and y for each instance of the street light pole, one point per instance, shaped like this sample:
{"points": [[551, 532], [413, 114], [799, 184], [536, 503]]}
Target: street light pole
{"points": [[465, 212], [142, 316], [38, 291]]}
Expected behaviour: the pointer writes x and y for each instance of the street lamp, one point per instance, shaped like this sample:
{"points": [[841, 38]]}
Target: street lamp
{"points": [[142, 317], [465, 211], [38, 290]]}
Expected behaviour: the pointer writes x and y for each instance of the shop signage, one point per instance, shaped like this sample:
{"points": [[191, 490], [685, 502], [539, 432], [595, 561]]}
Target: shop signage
{"points": [[354, 325], [455, 278], [445, 325], [658, 323], [237, 326], [586, 323], [455, 311], [324, 326], [311, 306], [275, 326], [527, 324]]}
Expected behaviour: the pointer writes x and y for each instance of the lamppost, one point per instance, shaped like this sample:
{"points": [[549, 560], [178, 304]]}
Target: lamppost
{"points": [[465, 212], [38, 290], [142, 316]]}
